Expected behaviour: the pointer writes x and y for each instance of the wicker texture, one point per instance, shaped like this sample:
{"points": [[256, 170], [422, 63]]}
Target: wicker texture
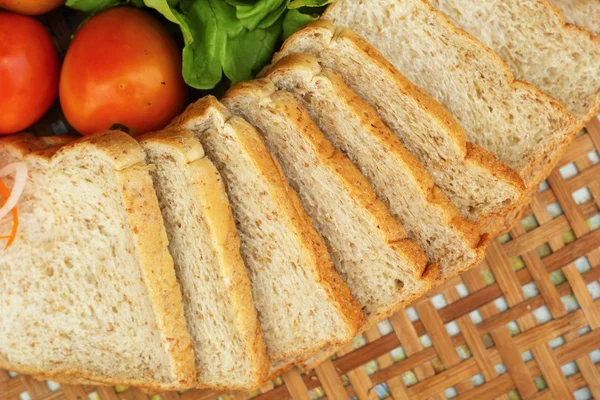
{"points": [[502, 330]]}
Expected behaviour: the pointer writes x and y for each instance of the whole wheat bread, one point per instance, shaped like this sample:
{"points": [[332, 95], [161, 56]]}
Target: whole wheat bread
{"points": [[397, 177], [526, 129], [585, 13], [370, 250], [533, 40], [302, 303], [222, 322], [472, 178], [88, 289]]}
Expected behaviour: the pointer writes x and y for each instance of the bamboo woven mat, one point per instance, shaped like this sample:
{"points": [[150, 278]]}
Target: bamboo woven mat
{"points": [[524, 324]]}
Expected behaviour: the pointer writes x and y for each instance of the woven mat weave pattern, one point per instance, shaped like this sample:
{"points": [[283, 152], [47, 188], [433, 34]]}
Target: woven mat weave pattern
{"points": [[524, 324]]}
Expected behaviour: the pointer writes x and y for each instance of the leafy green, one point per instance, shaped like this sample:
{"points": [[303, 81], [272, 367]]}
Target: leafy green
{"points": [[234, 37], [309, 3], [164, 7], [274, 16], [252, 14], [92, 6], [249, 51], [203, 59], [294, 21]]}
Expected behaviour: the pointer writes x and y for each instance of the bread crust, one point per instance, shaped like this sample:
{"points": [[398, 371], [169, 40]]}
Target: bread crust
{"points": [[206, 112], [569, 126], [356, 184], [431, 274], [145, 223], [188, 151], [575, 13], [305, 65], [323, 34], [553, 12]]}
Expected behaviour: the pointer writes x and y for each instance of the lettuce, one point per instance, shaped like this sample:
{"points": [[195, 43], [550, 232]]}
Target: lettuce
{"points": [[231, 37], [294, 21], [92, 6]]}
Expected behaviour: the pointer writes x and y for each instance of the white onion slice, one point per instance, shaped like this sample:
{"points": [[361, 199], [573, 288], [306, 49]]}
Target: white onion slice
{"points": [[20, 171]]}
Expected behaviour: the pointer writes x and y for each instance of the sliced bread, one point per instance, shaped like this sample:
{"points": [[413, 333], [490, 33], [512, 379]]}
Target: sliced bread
{"points": [[88, 289], [525, 128], [585, 13], [370, 249], [533, 40], [397, 177], [478, 185], [222, 322], [302, 303]]}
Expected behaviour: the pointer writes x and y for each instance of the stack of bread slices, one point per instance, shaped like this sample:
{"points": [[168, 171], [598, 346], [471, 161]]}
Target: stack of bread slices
{"points": [[375, 158]]}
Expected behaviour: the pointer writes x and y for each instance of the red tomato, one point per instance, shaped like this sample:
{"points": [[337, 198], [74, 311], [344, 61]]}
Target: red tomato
{"points": [[29, 70], [122, 68], [31, 7]]}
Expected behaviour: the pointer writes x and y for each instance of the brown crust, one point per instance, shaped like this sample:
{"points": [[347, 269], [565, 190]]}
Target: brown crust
{"points": [[326, 33], [595, 109], [302, 64], [569, 122], [391, 231], [25, 143], [357, 185], [145, 222], [210, 192], [430, 274], [483, 158], [59, 140], [506, 222], [338, 293]]}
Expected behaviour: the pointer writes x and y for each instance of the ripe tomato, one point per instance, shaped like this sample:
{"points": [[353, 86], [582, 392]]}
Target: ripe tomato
{"points": [[122, 68], [31, 7], [29, 70]]}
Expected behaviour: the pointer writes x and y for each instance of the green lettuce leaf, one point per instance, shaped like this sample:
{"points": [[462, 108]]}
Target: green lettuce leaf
{"points": [[274, 16], [203, 58], [294, 21], [309, 3], [249, 51], [92, 6], [165, 7], [253, 14]]}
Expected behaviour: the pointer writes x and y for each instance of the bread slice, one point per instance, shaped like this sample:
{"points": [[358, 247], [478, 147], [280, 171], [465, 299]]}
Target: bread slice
{"points": [[533, 40], [478, 185], [302, 304], [370, 249], [88, 289], [584, 13], [525, 128], [397, 177], [228, 343]]}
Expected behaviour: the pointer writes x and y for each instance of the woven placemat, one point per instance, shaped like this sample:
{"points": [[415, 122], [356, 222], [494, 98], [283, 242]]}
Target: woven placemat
{"points": [[524, 324]]}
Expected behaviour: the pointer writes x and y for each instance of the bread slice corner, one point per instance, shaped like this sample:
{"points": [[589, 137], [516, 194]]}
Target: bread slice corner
{"points": [[128, 328], [354, 128], [521, 125], [559, 59], [355, 225], [302, 303], [478, 184], [205, 246]]}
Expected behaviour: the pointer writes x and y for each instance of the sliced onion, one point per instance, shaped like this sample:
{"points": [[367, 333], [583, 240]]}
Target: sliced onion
{"points": [[20, 171]]}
